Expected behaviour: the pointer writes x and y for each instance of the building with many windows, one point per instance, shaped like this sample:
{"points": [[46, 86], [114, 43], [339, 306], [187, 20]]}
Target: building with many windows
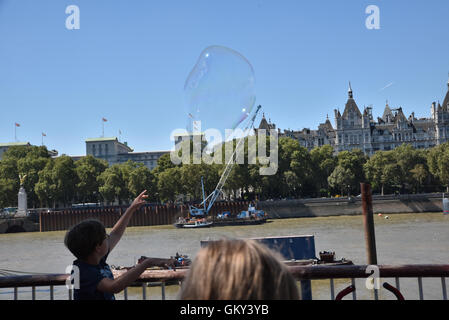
{"points": [[114, 151], [355, 129]]}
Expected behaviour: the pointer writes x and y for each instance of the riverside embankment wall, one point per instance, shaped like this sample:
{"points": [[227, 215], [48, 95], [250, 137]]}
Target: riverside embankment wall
{"points": [[167, 214], [351, 206]]}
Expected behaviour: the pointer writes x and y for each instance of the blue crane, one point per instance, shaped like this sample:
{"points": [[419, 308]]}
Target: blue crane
{"points": [[208, 202]]}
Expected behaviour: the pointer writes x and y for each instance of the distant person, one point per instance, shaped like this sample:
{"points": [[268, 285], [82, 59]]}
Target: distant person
{"points": [[238, 270], [90, 244]]}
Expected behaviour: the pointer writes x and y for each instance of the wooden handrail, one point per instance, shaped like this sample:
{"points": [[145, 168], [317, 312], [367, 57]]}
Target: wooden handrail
{"points": [[299, 272]]}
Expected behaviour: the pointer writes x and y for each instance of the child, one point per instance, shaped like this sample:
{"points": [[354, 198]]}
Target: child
{"points": [[90, 244], [238, 270]]}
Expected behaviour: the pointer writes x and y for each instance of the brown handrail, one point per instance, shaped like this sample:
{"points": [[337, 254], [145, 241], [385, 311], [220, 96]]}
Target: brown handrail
{"points": [[299, 272], [33, 280], [359, 271]]}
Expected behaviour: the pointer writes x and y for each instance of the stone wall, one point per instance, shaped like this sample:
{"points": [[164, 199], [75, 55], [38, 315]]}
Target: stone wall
{"points": [[352, 206]]}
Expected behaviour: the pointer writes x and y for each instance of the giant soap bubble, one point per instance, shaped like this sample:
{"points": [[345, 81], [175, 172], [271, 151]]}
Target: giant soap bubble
{"points": [[219, 91]]}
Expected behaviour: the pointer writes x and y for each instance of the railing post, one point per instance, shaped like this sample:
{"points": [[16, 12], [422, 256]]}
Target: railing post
{"points": [[163, 290], [354, 295], [144, 290], [332, 289], [306, 290], [443, 285], [370, 239], [421, 294]]}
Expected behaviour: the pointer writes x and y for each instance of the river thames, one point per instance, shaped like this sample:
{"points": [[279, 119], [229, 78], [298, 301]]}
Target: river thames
{"points": [[419, 238]]}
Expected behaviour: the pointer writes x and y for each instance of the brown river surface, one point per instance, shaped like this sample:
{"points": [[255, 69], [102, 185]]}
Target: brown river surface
{"points": [[419, 238]]}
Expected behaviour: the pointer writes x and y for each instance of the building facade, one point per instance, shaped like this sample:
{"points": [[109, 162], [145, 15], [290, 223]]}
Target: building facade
{"points": [[114, 151], [354, 129]]}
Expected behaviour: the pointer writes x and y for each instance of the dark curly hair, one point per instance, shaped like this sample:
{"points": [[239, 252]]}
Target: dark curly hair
{"points": [[83, 237]]}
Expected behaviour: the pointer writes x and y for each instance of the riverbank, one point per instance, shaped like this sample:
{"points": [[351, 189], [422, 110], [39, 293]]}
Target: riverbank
{"points": [[279, 209], [419, 203]]}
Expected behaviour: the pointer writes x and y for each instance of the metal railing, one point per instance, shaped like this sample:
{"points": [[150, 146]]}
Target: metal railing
{"points": [[304, 274]]}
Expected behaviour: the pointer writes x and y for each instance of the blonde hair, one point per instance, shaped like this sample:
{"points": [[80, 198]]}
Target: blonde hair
{"points": [[238, 270]]}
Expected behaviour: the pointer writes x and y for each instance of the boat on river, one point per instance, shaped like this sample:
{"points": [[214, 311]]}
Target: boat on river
{"points": [[248, 217], [199, 217], [193, 223]]}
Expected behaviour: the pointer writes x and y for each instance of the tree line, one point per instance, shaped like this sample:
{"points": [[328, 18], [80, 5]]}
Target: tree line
{"points": [[61, 181]]}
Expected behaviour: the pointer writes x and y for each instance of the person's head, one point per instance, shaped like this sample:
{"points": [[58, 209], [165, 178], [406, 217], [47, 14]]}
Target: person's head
{"points": [[238, 270], [86, 238]]}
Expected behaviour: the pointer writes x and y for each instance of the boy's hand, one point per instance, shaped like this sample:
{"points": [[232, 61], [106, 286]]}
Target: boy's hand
{"points": [[139, 201], [159, 262]]}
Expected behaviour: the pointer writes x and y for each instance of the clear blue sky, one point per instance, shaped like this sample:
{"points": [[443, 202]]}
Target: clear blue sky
{"points": [[129, 60]]}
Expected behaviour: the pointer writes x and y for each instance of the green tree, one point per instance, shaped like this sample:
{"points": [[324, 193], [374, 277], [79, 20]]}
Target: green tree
{"points": [[191, 179], [169, 184], [7, 192], [65, 179], [88, 169], [323, 163], [112, 184], [353, 162], [301, 166], [407, 158], [25, 160], [341, 179], [141, 178], [45, 188], [9, 182], [419, 174], [163, 163], [438, 162]]}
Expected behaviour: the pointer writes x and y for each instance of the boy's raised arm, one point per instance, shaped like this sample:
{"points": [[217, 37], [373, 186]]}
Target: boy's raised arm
{"points": [[122, 223]]}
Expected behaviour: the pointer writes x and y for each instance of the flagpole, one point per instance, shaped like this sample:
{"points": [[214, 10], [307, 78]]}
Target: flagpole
{"points": [[102, 122], [15, 135]]}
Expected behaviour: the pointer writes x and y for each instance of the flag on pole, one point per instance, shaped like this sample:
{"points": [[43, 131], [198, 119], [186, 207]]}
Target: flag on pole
{"points": [[43, 134], [104, 120], [17, 125]]}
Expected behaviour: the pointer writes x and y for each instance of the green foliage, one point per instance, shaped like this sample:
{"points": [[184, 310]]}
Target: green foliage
{"points": [[88, 169], [349, 173], [168, 184], [61, 181], [323, 164], [20, 161], [438, 162], [112, 184], [341, 179], [141, 178]]}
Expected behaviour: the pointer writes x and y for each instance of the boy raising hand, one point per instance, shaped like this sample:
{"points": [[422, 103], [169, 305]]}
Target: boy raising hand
{"points": [[90, 244]]}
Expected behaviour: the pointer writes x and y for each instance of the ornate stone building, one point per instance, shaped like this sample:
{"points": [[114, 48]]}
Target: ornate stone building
{"points": [[355, 129]]}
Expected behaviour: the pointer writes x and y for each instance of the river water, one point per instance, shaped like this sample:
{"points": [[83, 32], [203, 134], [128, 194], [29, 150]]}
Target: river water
{"points": [[419, 238]]}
